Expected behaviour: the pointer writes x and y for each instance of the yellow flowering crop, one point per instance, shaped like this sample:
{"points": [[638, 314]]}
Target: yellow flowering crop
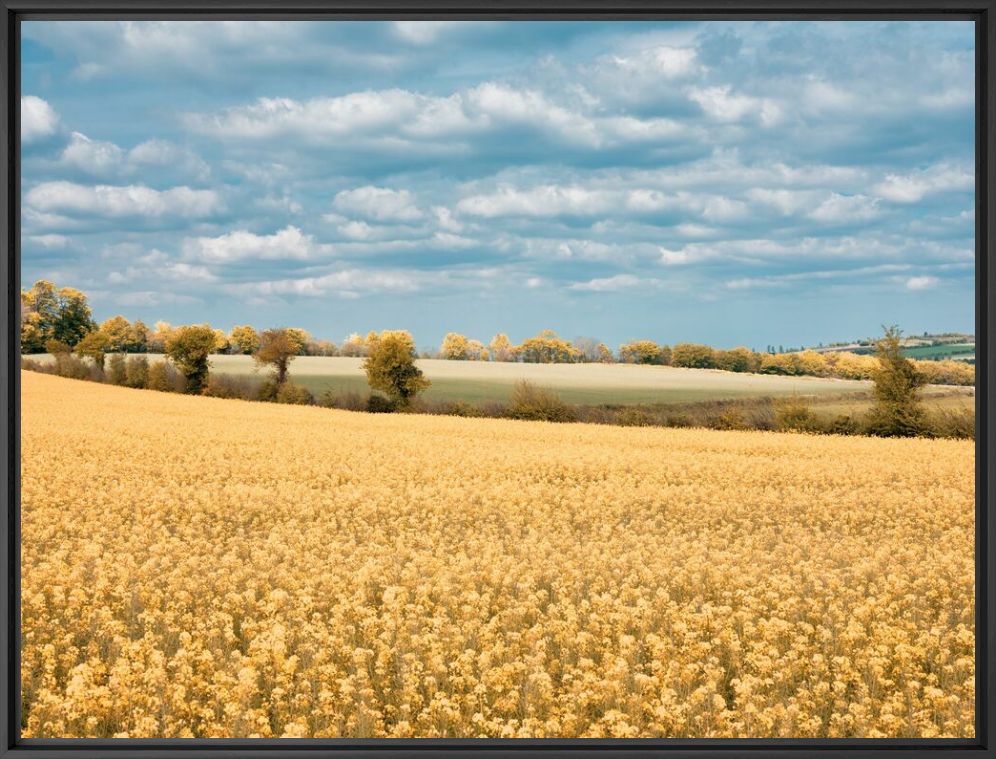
{"points": [[214, 568]]}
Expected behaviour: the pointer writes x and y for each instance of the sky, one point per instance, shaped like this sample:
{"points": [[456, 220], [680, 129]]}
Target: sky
{"points": [[733, 183]]}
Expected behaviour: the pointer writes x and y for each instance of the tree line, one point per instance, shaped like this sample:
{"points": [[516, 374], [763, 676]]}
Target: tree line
{"points": [[56, 320]]}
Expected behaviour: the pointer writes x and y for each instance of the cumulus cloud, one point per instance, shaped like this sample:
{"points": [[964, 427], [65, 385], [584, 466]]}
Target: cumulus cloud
{"points": [[122, 201], [914, 186], [378, 203], [287, 244], [721, 104], [613, 284], [38, 119]]}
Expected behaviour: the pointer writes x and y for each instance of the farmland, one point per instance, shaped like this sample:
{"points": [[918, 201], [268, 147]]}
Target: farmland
{"points": [[576, 383], [201, 567]]}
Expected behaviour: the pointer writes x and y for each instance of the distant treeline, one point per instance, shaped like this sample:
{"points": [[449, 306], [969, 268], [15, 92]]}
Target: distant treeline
{"points": [[56, 319]]}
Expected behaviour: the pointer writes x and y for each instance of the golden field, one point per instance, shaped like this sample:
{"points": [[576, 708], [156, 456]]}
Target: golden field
{"points": [[213, 568]]}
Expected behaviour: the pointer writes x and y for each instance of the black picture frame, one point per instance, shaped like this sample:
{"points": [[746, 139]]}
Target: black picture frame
{"points": [[982, 12]]}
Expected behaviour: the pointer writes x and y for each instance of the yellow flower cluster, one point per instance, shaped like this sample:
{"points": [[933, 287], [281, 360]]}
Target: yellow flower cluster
{"points": [[203, 567]]}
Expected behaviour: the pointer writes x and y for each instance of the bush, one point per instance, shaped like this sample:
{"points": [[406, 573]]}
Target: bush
{"points": [[732, 418], [844, 424], [538, 404], [288, 392], [137, 371], [227, 386], [956, 423], [68, 365], [348, 401], [164, 377], [378, 404], [116, 372], [794, 415], [267, 391]]}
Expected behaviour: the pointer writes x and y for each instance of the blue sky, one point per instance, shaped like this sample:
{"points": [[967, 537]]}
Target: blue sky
{"points": [[725, 182]]}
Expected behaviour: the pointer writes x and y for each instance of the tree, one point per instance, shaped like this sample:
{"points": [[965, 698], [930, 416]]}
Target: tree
{"points": [[95, 347], [501, 348], [73, 322], [50, 313], [588, 348], [454, 347], [137, 371], [548, 348], [139, 337], [277, 348], [188, 348], [641, 352], [119, 333], [693, 356], [244, 340], [390, 367], [738, 360], [353, 346], [301, 337], [476, 351], [157, 340], [897, 411]]}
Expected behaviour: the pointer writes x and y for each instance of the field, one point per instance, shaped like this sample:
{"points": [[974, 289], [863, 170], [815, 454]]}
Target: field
{"points": [[202, 567], [960, 351], [576, 383]]}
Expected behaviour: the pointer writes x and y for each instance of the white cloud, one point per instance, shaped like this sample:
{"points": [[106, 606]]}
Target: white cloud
{"points": [[378, 203], [424, 32], [613, 284], [348, 282], [92, 156], [38, 119], [915, 186], [157, 152], [123, 201], [924, 282], [721, 104], [845, 209], [547, 200], [287, 244]]}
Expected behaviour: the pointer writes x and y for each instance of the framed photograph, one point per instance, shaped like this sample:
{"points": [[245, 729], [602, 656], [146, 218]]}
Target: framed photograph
{"points": [[497, 379]]}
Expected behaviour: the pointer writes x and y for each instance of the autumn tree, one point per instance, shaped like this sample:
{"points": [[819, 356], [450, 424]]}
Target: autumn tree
{"points": [[353, 346], [188, 348], [454, 347], [501, 348], [94, 346], [897, 411], [119, 333], [244, 340], [641, 352], [390, 367], [63, 314], [693, 356], [277, 348], [548, 348]]}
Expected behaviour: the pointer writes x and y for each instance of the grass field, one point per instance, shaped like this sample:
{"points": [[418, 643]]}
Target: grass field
{"points": [[476, 381], [938, 352], [201, 567]]}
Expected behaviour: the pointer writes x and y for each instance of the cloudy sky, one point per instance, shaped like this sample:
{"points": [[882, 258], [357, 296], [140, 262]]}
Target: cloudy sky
{"points": [[731, 183]]}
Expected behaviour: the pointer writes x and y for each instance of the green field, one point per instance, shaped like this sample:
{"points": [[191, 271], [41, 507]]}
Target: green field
{"points": [[959, 351]]}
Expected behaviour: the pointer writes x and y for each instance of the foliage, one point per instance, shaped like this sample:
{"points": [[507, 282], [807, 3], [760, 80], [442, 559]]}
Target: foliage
{"points": [[538, 404], [390, 367], [188, 348], [117, 369], [454, 347], [693, 356], [288, 392], [244, 339], [897, 411], [94, 346], [49, 313], [137, 371], [164, 377], [501, 348], [547, 348], [644, 352], [277, 348]]}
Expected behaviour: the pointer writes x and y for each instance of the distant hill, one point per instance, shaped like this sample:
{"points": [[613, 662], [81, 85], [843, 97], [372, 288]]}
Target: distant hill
{"points": [[956, 346]]}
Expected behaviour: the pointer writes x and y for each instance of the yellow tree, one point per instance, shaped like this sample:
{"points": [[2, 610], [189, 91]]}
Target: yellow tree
{"points": [[501, 348], [454, 347], [391, 368]]}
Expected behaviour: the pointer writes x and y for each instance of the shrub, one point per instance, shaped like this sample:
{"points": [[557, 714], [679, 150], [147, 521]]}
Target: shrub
{"points": [[794, 415], [539, 404], [116, 371], [348, 401], [137, 371], [844, 424], [956, 423], [227, 386], [68, 365], [897, 411], [288, 392], [378, 404], [164, 377]]}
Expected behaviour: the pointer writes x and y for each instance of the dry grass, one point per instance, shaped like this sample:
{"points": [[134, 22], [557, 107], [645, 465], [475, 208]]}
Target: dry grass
{"points": [[206, 567]]}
